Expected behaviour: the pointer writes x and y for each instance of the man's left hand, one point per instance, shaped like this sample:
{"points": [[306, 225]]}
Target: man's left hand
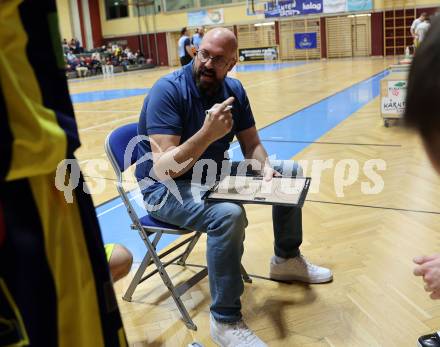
{"points": [[269, 172]]}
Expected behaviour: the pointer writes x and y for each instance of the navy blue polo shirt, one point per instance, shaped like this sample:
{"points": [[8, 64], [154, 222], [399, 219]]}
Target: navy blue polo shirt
{"points": [[174, 106]]}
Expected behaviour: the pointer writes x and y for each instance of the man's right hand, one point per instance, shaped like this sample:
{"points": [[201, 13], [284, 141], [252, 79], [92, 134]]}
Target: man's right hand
{"points": [[219, 121]]}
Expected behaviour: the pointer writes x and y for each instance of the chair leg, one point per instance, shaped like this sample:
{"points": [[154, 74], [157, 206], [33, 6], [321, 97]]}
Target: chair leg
{"points": [[189, 249], [167, 281], [151, 254], [245, 275], [140, 272]]}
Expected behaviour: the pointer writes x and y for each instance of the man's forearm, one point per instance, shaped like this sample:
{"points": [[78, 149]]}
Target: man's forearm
{"points": [[178, 160], [258, 153]]}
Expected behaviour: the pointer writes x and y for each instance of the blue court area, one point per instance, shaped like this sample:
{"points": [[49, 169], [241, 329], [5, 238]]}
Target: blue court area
{"points": [[307, 125], [112, 94], [268, 67], [104, 95]]}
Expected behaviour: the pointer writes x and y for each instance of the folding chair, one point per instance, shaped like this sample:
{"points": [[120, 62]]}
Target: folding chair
{"points": [[115, 147]]}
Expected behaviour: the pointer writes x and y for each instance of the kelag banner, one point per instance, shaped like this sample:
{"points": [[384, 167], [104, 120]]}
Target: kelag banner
{"points": [[289, 8], [305, 40], [260, 53]]}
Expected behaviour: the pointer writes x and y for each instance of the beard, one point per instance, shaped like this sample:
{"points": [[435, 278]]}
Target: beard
{"points": [[206, 80]]}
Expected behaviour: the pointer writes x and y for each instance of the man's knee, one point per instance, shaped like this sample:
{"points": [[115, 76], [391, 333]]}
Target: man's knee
{"points": [[230, 216], [235, 213]]}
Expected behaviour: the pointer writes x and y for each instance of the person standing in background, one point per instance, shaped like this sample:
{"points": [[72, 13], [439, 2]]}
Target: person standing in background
{"points": [[184, 47], [197, 37], [422, 29], [414, 25]]}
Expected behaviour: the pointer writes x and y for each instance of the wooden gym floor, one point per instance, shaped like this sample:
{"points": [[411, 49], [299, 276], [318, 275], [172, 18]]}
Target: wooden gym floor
{"points": [[367, 240]]}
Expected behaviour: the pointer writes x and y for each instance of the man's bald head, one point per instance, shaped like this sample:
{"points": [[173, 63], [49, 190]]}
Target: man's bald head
{"points": [[222, 37]]}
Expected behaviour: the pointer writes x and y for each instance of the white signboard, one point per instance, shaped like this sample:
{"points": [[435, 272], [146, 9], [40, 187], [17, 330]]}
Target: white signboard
{"points": [[394, 102], [334, 6]]}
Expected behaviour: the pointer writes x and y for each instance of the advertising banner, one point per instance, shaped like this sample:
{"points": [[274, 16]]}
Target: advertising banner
{"points": [[394, 102], [305, 40], [289, 8], [205, 17], [335, 6], [260, 53], [359, 5]]}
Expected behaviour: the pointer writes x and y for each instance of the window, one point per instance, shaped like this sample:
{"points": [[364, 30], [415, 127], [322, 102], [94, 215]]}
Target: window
{"points": [[116, 9], [204, 3], [146, 7], [175, 5]]}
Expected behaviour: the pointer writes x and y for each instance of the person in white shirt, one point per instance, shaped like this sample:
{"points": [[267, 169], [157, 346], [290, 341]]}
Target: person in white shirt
{"points": [[184, 47], [422, 29], [414, 25]]}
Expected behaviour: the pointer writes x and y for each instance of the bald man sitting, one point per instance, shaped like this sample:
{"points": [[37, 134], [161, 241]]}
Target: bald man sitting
{"points": [[184, 141]]}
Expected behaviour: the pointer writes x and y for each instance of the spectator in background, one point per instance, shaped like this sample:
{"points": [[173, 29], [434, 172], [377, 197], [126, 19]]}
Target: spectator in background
{"points": [[96, 56], [65, 46], [72, 45], [140, 58], [96, 63], [414, 25], [71, 57], [81, 68], [130, 56], [422, 114], [197, 37], [78, 47], [124, 63], [107, 67], [184, 47]]}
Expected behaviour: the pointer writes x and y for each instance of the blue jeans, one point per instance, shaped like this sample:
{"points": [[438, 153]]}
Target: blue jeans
{"points": [[225, 223]]}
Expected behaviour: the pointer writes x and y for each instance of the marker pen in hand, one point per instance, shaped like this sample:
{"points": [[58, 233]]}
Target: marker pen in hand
{"points": [[209, 112]]}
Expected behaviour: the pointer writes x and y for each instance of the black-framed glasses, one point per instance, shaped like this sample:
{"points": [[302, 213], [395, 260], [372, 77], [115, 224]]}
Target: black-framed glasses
{"points": [[218, 61]]}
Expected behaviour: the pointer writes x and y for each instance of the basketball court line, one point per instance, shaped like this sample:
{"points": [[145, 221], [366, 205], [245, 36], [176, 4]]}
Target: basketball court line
{"points": [[248, 86], [107, 123], [105, 111], [107, 94], [118, 74], [374, 206], [243, 68], [331, 143], [271, 67]]}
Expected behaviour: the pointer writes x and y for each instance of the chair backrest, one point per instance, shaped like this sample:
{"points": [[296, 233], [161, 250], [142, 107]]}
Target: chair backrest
{"points": [[116, 145]]}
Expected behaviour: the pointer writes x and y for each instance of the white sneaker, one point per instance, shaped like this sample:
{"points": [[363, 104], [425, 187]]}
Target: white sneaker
{"points": [[234, 335], [298, 269]]}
